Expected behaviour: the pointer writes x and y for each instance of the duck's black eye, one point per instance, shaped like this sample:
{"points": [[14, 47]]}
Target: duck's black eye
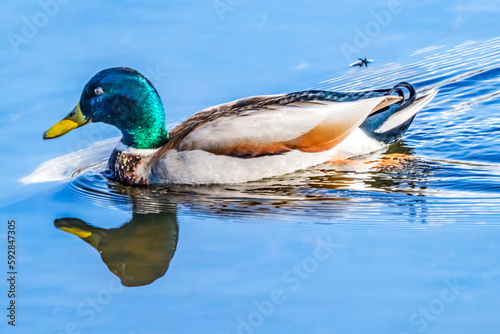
{"points": [[98, 91], [72, 114]]}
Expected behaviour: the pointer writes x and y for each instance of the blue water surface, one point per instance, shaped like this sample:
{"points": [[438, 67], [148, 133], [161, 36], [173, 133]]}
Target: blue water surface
{"points": [[361, 246]]}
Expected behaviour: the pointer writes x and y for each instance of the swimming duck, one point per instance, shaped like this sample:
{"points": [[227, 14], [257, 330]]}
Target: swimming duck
{"points": [[244, 140]]}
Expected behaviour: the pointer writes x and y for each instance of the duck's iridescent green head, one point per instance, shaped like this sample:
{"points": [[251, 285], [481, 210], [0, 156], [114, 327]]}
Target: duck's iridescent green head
{"points": [[124, 98]]}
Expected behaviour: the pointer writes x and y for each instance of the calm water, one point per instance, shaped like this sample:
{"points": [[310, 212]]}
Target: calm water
{"points": [[363, 246]]}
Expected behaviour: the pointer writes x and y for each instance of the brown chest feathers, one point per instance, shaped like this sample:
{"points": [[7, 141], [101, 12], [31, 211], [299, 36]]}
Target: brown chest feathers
{"points": [[128, 168]]}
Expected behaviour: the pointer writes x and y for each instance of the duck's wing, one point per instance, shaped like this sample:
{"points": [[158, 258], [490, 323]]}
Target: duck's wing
{"points": [[357, 63], [310, 121], [247, 102]]}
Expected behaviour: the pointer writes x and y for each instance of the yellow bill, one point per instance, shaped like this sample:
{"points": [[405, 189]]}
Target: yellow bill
{"points": [[74, 120], [76, 231]]}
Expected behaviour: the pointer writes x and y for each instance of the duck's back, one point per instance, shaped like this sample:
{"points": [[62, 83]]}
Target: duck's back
{"points": [[260, 137]]}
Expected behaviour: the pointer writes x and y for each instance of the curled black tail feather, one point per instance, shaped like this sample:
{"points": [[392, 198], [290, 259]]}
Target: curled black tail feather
{"points": [[399, 90]]}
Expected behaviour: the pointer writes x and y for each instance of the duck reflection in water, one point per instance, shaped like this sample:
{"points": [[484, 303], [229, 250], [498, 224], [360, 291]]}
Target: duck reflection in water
{"points": [[138, 252]]}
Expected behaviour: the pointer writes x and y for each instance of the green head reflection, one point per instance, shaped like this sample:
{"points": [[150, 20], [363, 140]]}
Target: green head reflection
{"points": [[138, 252]]}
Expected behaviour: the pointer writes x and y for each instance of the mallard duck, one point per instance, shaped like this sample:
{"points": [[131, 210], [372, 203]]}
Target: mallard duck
{"points": [[244, 140]]}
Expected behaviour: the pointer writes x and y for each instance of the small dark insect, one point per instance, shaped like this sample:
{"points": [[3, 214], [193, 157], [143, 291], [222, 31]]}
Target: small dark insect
{"points": [[360, 62]]}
